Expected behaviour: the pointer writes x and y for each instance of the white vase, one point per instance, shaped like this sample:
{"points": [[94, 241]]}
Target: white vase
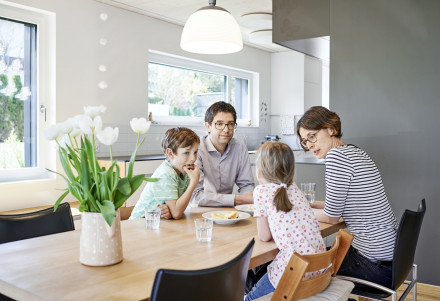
{"points": [[100, 244]]}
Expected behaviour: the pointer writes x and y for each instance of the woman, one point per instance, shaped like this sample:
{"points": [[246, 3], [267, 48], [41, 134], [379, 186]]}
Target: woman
{"points": [[355, 192]]}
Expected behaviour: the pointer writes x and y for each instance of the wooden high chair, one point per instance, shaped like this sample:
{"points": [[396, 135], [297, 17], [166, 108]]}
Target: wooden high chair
{"points": [[292, 286]]}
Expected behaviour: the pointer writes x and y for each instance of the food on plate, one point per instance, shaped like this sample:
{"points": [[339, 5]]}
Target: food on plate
{"points": [[250, 207], [225, 215], [190, 166]]}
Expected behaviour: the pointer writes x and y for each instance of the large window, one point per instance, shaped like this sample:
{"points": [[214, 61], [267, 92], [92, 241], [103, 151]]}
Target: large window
{"points": [[27, 92], [180, 90], [17, 94]]}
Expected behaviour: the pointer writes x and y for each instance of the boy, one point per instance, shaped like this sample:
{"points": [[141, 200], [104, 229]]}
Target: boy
{"points": [[178, 176]]}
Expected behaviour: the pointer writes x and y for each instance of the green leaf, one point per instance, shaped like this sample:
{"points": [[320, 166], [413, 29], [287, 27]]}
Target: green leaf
{"points": [[124, 186], [132, 159], [151, 179], [134, 183], [108, 211], [55, 207], [65, 164], [85, 181]]}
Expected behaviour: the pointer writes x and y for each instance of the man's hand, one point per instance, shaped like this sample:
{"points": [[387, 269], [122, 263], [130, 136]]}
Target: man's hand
{"points": [[245, 198], [164, 211]]}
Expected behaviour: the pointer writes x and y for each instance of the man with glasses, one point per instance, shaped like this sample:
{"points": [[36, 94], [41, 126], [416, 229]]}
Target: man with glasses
{"points": [[223, 161]]}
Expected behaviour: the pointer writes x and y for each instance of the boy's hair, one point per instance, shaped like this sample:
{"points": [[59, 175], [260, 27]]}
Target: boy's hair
{"points": [[219, 106], [318, 118], [178, 138], [276, 163]]}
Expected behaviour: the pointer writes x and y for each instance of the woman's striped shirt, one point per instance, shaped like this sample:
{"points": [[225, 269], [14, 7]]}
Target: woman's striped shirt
{"points": [[354, 190]]}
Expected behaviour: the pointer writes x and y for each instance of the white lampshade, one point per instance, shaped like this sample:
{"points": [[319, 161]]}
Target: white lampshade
{"points": [[211, 30]]}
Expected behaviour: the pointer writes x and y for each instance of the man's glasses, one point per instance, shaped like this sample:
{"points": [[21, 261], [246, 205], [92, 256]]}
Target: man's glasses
{"points": [[221, 125], [311, 138]]}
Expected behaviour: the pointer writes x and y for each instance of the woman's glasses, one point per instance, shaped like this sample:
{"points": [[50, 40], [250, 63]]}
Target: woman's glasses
{"points": [[310, 138]]}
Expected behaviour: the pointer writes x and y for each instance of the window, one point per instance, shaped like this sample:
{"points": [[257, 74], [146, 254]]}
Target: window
{"points": [[26, 77], [17, 84], [180, 90]]}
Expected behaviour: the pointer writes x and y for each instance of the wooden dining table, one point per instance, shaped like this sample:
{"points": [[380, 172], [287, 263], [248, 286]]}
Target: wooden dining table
{"points": [[48, 267]]}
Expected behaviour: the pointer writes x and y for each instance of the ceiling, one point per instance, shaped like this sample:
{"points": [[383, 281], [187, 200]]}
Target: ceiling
{"points": [[178, 11]]}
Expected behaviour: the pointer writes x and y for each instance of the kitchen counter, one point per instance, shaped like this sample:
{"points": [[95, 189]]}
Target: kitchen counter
{"points": [[301, 157]]}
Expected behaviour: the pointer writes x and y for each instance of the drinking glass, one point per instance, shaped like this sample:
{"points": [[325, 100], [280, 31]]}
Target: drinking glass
{"points": [[308, 189], [203, 229], [152, 218]]}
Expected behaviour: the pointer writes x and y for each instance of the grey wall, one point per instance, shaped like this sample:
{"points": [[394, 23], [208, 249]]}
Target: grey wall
{"points": [[384, 84]]}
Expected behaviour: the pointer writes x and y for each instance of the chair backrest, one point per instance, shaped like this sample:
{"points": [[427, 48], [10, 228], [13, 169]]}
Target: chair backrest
{"points": [[292, 286], [225, 282], [406, 243], [33, 224]]}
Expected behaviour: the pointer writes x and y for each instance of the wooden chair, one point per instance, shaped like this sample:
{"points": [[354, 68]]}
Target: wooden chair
{"points": [[125, 212], [225, 282], [403, 262], [292, 286], [38, 223]]}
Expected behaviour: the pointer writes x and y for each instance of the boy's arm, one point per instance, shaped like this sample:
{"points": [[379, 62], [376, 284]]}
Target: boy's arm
{"points": [[177, 207]]}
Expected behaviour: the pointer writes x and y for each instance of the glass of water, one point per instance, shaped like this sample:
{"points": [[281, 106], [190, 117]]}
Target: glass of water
{"points": [[152, 218], [308, 189], [203, 229]]}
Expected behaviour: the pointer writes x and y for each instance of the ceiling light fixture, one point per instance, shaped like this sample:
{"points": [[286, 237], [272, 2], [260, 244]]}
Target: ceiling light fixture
{"points": [[211, 30]]}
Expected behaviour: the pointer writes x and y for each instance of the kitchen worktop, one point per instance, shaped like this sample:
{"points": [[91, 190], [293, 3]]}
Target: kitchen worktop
{"points": [[301, 157]]}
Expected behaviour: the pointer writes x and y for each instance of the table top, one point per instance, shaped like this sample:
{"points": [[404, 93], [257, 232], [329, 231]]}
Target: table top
{"points": [[48, 267]]}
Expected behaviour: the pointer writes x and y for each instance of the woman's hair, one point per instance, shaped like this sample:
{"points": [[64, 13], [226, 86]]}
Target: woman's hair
{"points": [[318, 118], [178, 138], [219, 106], [276, 162]]}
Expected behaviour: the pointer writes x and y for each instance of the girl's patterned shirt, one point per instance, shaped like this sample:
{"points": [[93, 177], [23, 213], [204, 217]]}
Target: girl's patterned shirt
{"points": [[294, 231]]}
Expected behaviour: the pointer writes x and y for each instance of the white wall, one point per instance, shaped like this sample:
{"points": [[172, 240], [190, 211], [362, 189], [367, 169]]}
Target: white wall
{"points": [[130, 36]]}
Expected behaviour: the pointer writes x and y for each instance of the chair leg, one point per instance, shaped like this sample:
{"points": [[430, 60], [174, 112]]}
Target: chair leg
{"points": [[415, 284]]}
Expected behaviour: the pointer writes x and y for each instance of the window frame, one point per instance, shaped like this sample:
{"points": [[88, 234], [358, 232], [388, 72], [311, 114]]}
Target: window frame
{"points": [[229, 72], [44, 107]]}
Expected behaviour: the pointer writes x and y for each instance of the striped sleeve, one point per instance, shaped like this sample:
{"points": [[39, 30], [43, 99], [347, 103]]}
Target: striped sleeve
{"points": [[338, 177]]}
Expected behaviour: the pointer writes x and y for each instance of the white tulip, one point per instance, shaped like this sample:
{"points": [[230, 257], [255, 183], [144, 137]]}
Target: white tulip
{"points": [[89, 126], [108, 136], [140, 125], [75, 132], [66, 127], [51, 133], [85, 124], [93, 111], [65, 141]]}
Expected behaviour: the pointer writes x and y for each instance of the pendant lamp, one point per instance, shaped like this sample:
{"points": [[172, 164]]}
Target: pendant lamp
{"points": [[211, 30]]}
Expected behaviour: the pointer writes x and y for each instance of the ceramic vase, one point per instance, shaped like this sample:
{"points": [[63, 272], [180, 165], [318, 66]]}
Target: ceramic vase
{"points": [[100, 244]]}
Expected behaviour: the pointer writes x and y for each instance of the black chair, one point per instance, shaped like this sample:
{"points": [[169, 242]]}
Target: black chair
{"points": [[403, 261], [225, 282], [33, 224]]}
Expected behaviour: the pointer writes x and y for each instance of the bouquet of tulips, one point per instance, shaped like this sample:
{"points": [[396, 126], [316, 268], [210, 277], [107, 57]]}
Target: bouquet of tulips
{"points": [[96, 188]]}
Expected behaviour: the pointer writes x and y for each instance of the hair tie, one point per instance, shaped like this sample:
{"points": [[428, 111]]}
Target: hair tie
{"points": [[283, 185]]}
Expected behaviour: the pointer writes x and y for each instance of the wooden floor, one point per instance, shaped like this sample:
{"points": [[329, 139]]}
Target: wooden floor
{"points": [[425, 292]]}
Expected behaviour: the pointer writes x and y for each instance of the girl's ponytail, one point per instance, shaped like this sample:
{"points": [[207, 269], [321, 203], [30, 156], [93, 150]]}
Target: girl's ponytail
{"points": [[281, 199]]}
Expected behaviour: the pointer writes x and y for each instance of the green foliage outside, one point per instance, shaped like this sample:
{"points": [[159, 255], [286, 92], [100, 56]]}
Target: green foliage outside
{"points": [[185, 85], [11, 111], [12, 152]]}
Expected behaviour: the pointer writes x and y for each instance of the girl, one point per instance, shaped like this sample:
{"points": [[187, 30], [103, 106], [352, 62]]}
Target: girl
{"points": [[283, 213]]}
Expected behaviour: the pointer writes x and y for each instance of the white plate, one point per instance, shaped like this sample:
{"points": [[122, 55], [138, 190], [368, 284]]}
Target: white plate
{"points": [[249, 208], [241, 215]]}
